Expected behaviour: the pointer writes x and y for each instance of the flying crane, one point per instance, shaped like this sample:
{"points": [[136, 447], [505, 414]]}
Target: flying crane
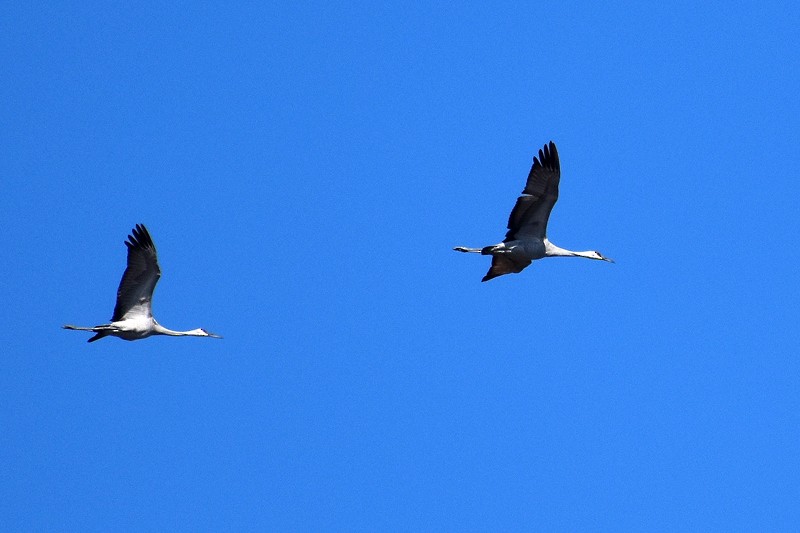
{"points": [[133, 316], [526, 239]]}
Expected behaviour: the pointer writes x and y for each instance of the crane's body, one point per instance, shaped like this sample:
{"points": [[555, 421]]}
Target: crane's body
{"points": [[526, 239], [133, 317]]}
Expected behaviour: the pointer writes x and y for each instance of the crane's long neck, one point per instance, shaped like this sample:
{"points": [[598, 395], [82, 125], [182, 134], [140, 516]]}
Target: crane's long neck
{"points": [[158, 329], [551, 250]]}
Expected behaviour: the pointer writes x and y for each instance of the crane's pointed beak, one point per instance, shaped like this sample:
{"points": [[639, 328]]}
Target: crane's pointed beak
{"points": [[214, 335], [609, 260]]}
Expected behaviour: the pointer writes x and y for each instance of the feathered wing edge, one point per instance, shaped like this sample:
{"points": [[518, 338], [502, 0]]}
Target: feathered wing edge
{"points": [[141, 275]]}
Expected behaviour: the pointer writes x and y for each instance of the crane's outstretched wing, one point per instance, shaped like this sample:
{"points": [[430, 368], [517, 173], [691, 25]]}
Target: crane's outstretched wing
{"points": [[135, 291], [529, 217]]}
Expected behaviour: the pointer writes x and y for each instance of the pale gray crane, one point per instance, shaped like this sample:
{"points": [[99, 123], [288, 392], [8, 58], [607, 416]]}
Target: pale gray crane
{"points": [[526, 239], [133, 316]]}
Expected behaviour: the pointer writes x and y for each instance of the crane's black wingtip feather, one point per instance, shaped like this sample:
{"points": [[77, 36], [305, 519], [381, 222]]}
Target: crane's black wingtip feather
{"points": [[140, 238], [548, 156], [556, 164]]}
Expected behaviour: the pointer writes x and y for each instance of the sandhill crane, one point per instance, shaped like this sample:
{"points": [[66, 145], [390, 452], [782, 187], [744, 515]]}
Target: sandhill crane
{"points": [[526, 239], [133, 317]]}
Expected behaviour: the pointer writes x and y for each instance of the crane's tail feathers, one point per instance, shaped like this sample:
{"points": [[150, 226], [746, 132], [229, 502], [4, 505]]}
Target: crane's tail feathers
{"points": [[467, 250]]}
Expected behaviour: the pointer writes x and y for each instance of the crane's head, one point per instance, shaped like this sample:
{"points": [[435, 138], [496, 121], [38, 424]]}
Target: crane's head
{"points": [[599, 257]]}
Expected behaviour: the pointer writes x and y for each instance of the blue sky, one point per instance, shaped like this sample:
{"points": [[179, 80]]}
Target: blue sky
{"points": [[305, 170]]}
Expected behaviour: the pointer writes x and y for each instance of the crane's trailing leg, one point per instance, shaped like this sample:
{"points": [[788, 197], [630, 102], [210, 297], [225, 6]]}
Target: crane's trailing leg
{"points": [[102, 330], [486, 250], [104, 327]]}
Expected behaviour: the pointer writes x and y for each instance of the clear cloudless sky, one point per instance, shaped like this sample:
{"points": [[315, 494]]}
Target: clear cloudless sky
{"points": [[305, 170]]}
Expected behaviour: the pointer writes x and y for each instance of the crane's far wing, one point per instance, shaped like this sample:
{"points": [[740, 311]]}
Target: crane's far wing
{"points": [[139, 280], [532, 210], [502, 264]]}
